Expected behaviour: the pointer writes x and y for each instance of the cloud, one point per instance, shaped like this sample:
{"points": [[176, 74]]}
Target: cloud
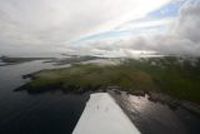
{"points": [[112, 28], [182, 38], [189, 22], [38, 23]]}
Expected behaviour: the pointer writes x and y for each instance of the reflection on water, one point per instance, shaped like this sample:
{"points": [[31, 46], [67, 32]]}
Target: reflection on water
{"points": [[156, 118], [154, 115], [21, 113], [2, 63]]}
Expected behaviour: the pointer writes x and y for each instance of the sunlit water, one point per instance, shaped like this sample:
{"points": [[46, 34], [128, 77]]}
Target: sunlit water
{"points": [[157, 118]]}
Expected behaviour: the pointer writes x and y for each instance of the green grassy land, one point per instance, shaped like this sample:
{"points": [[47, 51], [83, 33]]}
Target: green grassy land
{"points": [[178, 78]]}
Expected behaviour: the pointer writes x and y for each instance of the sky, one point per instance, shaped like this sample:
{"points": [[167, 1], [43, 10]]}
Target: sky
{"points": [[100, 27]]}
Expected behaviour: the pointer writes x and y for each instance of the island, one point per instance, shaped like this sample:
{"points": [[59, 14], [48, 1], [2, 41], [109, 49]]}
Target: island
{"points": [[175, 76]]}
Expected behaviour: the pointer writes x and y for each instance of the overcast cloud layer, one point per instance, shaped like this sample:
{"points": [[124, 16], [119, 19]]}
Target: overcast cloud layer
{"points": [[108, 27]]}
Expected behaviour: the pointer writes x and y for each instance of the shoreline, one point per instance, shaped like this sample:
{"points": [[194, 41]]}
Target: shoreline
{"points": [[116, 92]]}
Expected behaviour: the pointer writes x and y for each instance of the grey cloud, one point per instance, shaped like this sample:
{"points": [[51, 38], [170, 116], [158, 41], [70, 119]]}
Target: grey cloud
{"points": [[50, 21], [40, 23], [182, 39], [189, 22]]}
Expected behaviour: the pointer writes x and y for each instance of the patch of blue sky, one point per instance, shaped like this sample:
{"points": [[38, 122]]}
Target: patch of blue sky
{"points": [[169, 10], [103, 36], [142, 23], [121, 34]]}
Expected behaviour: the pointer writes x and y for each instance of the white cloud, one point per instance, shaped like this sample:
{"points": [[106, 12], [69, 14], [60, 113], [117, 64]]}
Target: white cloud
{"points": [[55, 22], [49, 25], [183, 38]]}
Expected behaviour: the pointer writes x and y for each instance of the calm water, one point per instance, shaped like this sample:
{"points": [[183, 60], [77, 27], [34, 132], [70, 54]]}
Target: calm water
{"points": [[22, 113], [157, 118]]}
